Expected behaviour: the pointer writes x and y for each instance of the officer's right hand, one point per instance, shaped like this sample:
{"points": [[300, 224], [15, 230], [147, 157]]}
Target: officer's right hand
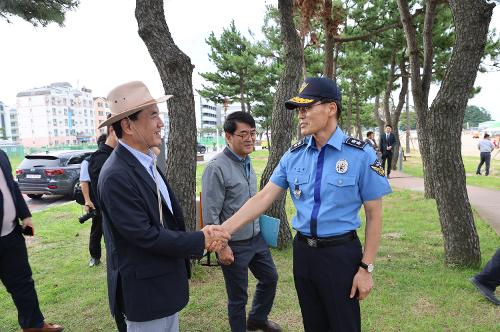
{"points": [[216, 237], [225, 256], [363, 283], [89, 206]]}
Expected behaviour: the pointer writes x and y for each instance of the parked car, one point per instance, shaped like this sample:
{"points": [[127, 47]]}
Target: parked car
{"points": [[55, 173], [201, 148]]}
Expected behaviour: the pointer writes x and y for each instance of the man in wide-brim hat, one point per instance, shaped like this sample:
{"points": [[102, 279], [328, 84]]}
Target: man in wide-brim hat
{"points": [[147, 245]]}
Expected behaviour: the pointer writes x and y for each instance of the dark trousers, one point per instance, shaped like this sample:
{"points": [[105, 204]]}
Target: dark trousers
{"points": [[15, 273], [323, 280], [485, 159], [490, 276], [250, 254], [118, 315], [387, 155], [95, 237]]}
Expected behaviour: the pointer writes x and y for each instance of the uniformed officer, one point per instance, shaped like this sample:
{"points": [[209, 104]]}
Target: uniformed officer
{"points": [[330, 175]]}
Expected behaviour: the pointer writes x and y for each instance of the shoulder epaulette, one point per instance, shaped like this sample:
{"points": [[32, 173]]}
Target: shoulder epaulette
{"points": [[355, 143], [298, 145]]}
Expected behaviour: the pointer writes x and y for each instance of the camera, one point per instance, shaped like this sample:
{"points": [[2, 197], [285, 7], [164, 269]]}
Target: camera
{"points": [[87, 216]]}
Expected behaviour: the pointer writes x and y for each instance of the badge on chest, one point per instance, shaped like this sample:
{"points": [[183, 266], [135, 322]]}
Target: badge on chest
{"points": [[342, 166]]}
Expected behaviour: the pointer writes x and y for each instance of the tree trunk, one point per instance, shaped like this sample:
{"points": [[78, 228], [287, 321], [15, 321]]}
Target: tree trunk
{"points": [[348, 125], [175, 70], [249, 106], [329, 43], [242, 94], [358, 115], [399, 108], [282, 118], [335, 61], [420, 83], [388, 90], [408, 124], [461, 241], [376, 113]]}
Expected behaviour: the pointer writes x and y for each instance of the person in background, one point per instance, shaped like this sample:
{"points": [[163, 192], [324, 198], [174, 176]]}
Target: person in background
{"points": [[15, 270], [485, 147], [228, 181], [387, 146], [370, 140], [488, 279], [91, 205], [96, 161]]}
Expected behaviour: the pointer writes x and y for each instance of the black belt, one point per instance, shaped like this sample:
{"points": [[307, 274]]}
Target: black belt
{"points": [[330, 241]]}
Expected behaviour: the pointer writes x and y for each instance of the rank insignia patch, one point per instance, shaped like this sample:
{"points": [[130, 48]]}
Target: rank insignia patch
{"points": [[377, 167]]}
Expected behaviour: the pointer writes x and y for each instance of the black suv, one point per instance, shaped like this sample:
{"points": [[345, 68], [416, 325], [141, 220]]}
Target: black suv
{"points": [[55, 173]]}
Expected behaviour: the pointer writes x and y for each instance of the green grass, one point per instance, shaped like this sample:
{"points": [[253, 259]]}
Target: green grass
{"points": [[414, 290], [413, 166]]}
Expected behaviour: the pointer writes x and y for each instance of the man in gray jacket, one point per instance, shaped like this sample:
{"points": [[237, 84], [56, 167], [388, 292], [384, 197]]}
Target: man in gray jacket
{"points": [[227, 183]]}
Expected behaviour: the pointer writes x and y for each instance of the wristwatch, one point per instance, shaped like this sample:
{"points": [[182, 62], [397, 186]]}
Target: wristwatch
{"points": [[368, 267]]}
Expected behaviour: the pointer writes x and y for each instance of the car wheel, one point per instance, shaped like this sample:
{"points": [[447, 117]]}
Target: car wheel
{"points": [[203, 150], [35, 196], [72, 195]]}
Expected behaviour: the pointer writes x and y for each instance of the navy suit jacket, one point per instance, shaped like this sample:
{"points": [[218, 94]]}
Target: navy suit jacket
{"points": [[147, 259], [384, 143], [22, 210]]}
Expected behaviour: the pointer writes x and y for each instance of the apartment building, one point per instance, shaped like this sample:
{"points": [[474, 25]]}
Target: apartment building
{"points": [[8, 123], [208, 114], [54, 115], [101, 111]]}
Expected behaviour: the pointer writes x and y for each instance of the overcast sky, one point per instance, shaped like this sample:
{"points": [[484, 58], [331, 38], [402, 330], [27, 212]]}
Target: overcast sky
{"points": [[99, 47]]}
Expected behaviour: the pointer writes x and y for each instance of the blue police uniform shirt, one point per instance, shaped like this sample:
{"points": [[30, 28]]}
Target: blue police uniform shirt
{"points": [[333, 181]]}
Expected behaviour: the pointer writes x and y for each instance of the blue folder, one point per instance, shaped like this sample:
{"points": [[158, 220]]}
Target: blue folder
{"points": [[269, 228]]}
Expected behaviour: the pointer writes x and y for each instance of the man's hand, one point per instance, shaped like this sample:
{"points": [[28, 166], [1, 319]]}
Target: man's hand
{"points": [[216, 237], [89, 206], [225, 256], [27, 222], [362, 282]]}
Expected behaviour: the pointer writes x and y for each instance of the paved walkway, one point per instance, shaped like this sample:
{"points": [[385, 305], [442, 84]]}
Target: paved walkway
{"points": [[485, 201]]}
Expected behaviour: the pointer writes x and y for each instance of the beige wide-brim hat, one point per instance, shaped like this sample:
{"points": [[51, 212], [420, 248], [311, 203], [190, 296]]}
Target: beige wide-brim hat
{"points": [[129, 98]]}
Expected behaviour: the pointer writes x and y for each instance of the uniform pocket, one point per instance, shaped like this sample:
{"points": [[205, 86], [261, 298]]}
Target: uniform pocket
{"points": [[344, 188], [297, 179]]}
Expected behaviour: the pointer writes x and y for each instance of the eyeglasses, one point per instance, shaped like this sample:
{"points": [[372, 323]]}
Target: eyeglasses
{"points": [[310, 107], [246, 134]]}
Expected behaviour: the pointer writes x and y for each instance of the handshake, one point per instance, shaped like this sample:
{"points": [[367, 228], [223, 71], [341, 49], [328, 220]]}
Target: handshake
{"points": [[216, 237]]}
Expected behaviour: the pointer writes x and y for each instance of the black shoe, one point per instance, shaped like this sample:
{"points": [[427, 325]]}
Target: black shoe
{"points": [[485, 291], [478, 173], [266, 326], [94, 261]]}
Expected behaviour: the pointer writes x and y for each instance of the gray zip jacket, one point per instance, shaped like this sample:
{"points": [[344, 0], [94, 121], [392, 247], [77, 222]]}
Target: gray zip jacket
{"points": [[225, 188]]}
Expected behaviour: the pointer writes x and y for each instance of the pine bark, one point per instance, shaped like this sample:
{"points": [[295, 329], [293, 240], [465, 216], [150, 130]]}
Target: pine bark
{"points": [[461, 241], [440, 126], [175, 70], [282, 118]]}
